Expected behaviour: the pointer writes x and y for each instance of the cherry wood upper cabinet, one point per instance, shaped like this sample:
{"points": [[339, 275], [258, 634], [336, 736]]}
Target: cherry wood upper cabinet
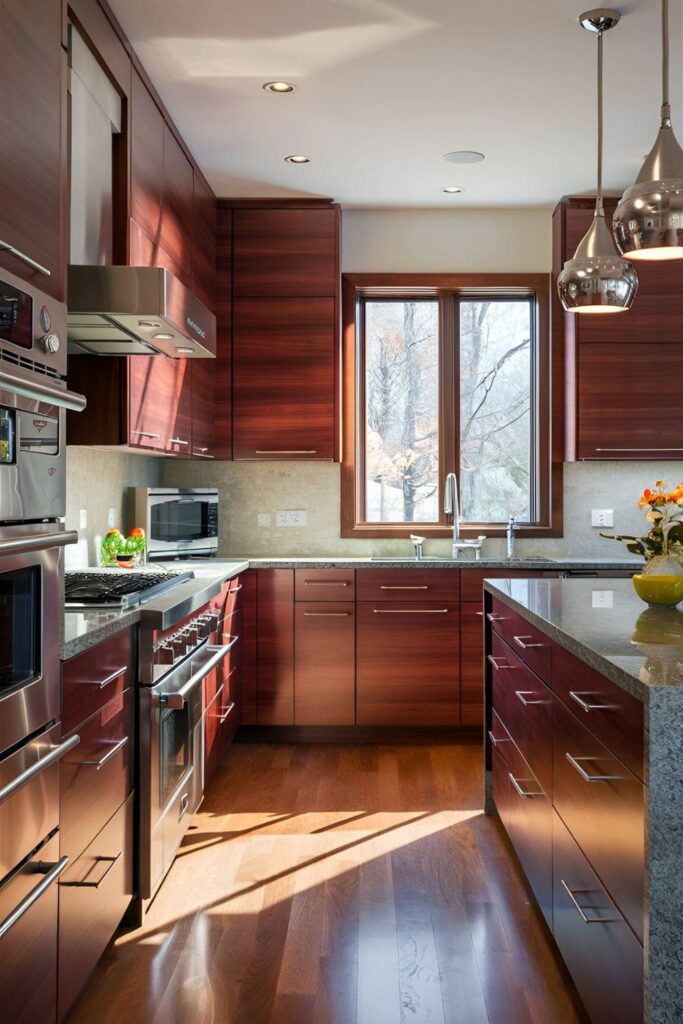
{"points": [[205, 393], [286, 252], [204, 231], [159, 404], [147, 162], [178, 204], [222, 367], [32, 126], [284, 353]]}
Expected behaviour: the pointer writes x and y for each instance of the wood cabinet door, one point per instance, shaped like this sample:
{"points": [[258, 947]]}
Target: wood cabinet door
{"points": [[275, 646], [204, 242], [471, 664], [177, 208], [223, 360], [159, 404], [407, 663], [286, 252], [146, 163], [284, 353], [324, 663], [629, 400], [204, 396], [530, 827], [32, 119]]}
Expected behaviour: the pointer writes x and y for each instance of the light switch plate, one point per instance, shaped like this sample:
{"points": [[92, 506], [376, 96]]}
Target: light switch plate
{"points": [[290, 517], [602, 599], [83, 519], [602, 517], [264, 519], [111, 516]]}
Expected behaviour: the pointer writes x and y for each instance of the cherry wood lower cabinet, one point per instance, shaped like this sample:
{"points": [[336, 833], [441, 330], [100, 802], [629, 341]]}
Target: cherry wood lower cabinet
{"points": [[471, 660], [275, 646], [324, 663]]}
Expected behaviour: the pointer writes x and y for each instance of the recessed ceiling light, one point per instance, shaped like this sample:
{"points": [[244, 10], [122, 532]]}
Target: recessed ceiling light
{"points": [[184, 351], [452, 189], [297, 159], [279, 87], [463, 156]]}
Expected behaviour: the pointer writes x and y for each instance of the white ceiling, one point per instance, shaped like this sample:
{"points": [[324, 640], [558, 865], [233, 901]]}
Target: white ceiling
{"points": [[386, 87]]}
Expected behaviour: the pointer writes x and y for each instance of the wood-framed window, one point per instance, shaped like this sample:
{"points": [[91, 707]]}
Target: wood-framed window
{"points": [[448, 373]]}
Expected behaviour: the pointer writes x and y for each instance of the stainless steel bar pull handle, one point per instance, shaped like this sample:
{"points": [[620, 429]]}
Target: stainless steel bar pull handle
{"points": [[577, 695], [326, 615], [227, 712], [41, 391], [51, 876], [177, 700], [519, 640], [146, 433], [110, 679], [28, 260], [495, 740], [113, 750], [571, 893], [524, 793], [494, 662], [286, 451], [406, 587], [410, 611], [177, 440], [98, 883], [56, 754], [495, 618], [574, 762], [37, 541], [329, 583], [522, 695]]}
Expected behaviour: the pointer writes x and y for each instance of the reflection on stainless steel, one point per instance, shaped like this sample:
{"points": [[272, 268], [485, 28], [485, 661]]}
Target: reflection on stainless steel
{"points": [[451, 507], [177, 522], [32, 328]]}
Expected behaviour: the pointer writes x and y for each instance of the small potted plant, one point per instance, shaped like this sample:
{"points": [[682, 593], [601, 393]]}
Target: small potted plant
{"points": [[661, 581]]}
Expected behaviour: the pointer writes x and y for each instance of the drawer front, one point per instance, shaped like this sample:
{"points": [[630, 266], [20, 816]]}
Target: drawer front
{"points": [[220, 722], [524, 705], [532, 646], [601, 952], [500, 783], [530, 828], [324, 584], [472, 581], [28, 951], [324, 663], [97, 775], [407, 585], [613, 715], [233, 597], [94, 893], [92, 679], [602, 805], [471, 664], [33, 811]]}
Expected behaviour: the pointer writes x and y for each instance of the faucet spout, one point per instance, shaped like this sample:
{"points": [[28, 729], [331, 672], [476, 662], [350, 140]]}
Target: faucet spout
{"points": [[451, 506]]}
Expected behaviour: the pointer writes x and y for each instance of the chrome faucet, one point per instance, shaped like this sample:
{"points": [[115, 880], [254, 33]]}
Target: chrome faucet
{"points": [[451, 507], [510, 536], [417, 544]]}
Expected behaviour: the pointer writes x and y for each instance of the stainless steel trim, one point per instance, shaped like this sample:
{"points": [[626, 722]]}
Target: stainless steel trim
{"points": [[33, 896], [41, 391], [410, 611], [388, 586], [576, 696], [579, 909], [108, 756], [177, 699], [525, 794], [521, 694], [326, 615], [177, 440], [328, 583], [13, 251], [494, 662], [110, 679], [498, 739], [496, 618], [480, 613], [37, 541], [229, 709], [235, 590], [146, 433], [638, 449], [40, 766], [574, 762], [519, 640], [98, 883], [286, 451]]}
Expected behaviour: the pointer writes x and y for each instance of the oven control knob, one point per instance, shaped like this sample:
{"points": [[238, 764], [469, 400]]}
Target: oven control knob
{"points": [[164, 655], [179, 645], [51, 343], [191, 635]]}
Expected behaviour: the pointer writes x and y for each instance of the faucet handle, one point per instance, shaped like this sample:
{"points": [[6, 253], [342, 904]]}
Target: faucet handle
{"points": [[512, 523], [417, 543]]}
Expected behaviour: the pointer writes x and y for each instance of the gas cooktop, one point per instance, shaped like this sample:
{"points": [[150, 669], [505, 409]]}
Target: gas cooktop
{"points": [[118, 588]]}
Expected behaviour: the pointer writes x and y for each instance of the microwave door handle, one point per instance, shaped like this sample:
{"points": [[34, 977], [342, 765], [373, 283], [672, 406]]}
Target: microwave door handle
{"points": [[37, 542], [41, 391], [176, 700]]}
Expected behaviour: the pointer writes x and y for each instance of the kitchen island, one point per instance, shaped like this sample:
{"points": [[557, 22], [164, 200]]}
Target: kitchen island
{"points": [[584, 765]]}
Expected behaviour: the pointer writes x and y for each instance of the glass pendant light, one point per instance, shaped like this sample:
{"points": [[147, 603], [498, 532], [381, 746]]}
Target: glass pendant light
{"points": [[597, 279], [648, 222]]}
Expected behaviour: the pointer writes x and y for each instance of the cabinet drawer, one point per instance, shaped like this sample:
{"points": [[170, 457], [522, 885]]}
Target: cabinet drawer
{"points": [[471, 664], [524, 705], [324, 584], [32, 811], [97, 775], [472, 581], [499, 738], [324, 663], [603, 707], [407, 585], [94, 894], [530, 828], [602, 805], [532, 645], [95, 677], [603, 955]]}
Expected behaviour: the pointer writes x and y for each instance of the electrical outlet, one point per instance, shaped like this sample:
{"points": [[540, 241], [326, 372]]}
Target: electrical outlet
{"points": [[264, 519], [290, 517], [111, 516], [602, 599], [602, 517], [83, 519]]}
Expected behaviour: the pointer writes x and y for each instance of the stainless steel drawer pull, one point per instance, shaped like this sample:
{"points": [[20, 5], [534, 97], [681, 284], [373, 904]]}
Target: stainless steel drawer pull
{"points": [[578, 695], [113, 750], [110, 679], [286, 451], [403, 587], [571, 893], [524, 793], [519, 640], [228, 711], [235, 590], [410, 611], [326, 615], [480, 613], [638, 449], [28, 260], [328, 583], [56, 754], [37, 541], [98, 883], [146, 433], [177, 440], [52, 874], [498, 739], [574, 762], [495, 618], [203, 455], [494, 662], [522, 695], [176, 700]]}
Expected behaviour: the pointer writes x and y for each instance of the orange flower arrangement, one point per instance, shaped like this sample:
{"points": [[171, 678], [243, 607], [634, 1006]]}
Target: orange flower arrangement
{"points": [[665, 513]]}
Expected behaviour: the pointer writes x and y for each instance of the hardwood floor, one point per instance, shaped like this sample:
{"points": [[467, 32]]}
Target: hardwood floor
{"points": [[338, 885]]}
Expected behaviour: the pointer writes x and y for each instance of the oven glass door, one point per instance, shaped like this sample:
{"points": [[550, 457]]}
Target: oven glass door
{"points": [[180, 520], [175, 749], [20, 627]]}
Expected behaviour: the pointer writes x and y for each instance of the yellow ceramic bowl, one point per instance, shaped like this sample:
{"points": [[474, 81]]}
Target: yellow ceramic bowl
{"points": [[665, 590]]}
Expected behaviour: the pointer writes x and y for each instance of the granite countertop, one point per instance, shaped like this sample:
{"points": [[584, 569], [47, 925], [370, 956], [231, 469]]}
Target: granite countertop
{"points": [[531, 564], [604, 623]]}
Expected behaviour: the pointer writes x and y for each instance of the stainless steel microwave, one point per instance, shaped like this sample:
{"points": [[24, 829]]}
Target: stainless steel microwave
{"points": [[177, 522]]}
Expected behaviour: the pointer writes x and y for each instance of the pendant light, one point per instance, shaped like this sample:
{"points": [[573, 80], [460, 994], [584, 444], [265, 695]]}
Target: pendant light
{"points": [[648, 222], [597, 279]]}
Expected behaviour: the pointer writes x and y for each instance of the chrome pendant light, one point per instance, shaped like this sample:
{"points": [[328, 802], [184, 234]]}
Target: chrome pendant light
{"points": [[597, 279], [648, 222]]}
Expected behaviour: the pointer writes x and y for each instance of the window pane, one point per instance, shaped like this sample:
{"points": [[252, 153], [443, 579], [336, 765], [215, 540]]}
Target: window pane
{"points": [[495, 403], [402, 411]]}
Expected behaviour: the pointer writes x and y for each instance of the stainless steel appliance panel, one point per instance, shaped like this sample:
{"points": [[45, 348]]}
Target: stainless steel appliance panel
{"points": [[177, 522], [32, 326]]}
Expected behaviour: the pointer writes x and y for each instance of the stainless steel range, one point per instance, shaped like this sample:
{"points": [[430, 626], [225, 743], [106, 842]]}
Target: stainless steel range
{"points": [[118, 588]]}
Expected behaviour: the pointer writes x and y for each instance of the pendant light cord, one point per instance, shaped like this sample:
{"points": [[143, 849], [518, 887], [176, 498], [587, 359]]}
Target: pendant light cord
{"points": [[666, 108], [598, 205]]}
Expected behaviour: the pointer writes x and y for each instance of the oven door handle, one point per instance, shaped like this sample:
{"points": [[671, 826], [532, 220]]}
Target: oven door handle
{"points": [[37, 541], [56, 754], [40, 391], [52, 873], [177, 700]]}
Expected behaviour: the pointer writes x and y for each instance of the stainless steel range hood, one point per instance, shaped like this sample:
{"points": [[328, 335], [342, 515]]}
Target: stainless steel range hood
{"points": [[125, 311]]}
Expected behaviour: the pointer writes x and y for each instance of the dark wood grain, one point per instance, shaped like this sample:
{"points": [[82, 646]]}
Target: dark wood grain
{"points": [[324, 584], [407, 663], [159, 404], [528, 642], [530, 827], [145, 251], [98, 25], [177, 213], [284, 352], [275, 646], [324, 663], [471, 664], [33, 167], [92, 679], [286, 253], [223, 362], [204, 395], [249, 620], [147, 161], [204, 241], [407, 585]]}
